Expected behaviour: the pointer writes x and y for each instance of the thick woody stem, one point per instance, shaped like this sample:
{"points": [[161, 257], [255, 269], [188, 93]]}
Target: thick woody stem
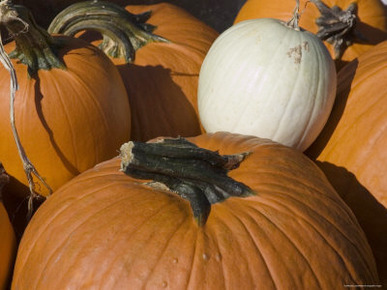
{"points": [[34, 46], [338, 27], [123, 32], [194, 173]]}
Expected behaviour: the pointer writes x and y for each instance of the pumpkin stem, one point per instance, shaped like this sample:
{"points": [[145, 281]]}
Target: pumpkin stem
{"points": [[338, 27], [34, 46], [10, 15], [293, 22], [196, 174], [123, 32]]}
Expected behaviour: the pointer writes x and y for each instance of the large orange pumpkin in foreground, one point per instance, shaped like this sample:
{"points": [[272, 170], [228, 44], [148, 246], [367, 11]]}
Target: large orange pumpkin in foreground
{"points": [[107, 230], [162, 80], [370, 21], [351, 150], [7, 240]]}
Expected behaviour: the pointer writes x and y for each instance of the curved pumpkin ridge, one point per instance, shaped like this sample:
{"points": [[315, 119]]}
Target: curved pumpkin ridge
{"points": [[275, 277], [161, 258], [51, 217], [281, 196], [116, 264], [245, 270], [371, 105], [62, 247], [314, 229], [297, 249], [75, 84]]}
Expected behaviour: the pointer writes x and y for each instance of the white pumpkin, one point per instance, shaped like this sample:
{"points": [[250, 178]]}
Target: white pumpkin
{"points": [[267, 78]]}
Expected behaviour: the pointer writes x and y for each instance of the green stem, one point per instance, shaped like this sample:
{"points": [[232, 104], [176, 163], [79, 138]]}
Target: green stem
{"points": [[194, 173], [34, 46], [123, 32], [338, 27]]}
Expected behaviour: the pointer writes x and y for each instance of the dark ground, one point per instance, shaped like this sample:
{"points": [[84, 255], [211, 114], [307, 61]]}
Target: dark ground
{"points": [[219, 14]]}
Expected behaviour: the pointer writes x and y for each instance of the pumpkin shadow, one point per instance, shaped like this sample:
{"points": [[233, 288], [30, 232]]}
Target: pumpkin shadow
{"points": [[377, 35], [38, 105], [338, 108], [158, 104], [371, 215]]}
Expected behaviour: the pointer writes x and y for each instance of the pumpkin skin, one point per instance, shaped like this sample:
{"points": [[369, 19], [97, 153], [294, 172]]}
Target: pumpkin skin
{"points": [[372, 20], [162, 80], [68, 120], [7, 241], [106, 230], [351, 148], [285, 96]]}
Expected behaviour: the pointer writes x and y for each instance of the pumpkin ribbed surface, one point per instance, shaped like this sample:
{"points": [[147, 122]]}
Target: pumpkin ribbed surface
{"points": [[351, 149], [106, 230], [68, 119], [356, 133]]}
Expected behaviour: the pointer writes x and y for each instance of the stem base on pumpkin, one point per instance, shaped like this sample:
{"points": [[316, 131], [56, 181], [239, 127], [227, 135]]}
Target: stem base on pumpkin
{"points": [[338, 27], [194, 173]]}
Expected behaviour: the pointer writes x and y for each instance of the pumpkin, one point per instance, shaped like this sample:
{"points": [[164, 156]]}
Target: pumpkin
{"points": [[351, 149], [267, 78], [7, 241], [162, 80], [107, 230], [71, 108], [358, 25]]}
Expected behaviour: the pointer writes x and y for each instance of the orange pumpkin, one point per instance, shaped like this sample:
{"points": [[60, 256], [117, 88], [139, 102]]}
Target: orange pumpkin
{"points": [[70, 115], [370, 21], [107, 230], [163, 78], [351, 149], [7, 241]]}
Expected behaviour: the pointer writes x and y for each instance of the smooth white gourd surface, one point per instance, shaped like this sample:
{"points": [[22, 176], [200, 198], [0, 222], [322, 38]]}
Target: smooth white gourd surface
{"points": [[263, 78]]}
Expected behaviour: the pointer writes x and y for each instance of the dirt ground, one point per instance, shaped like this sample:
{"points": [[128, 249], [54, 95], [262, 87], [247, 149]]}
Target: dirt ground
{"points": [[219, 14]]}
